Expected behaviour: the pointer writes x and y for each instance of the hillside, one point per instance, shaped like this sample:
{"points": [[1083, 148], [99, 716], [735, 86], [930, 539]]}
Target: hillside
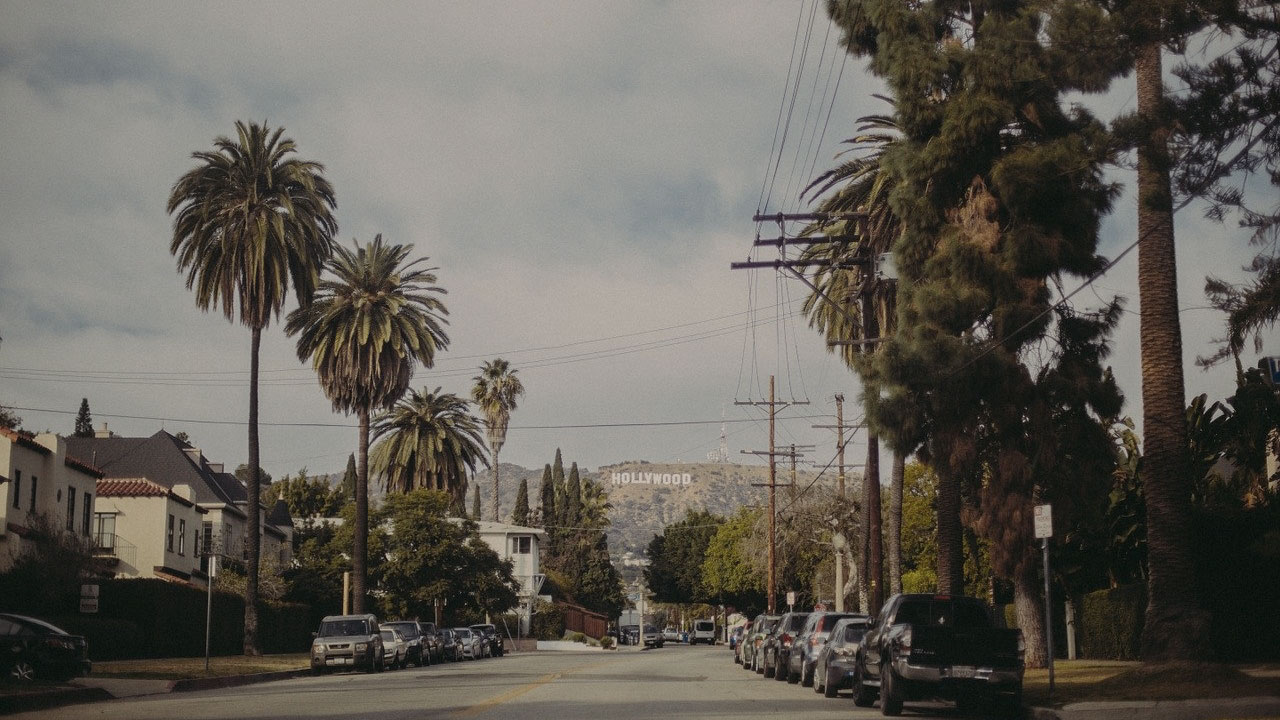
{"points": [[642, 503]]}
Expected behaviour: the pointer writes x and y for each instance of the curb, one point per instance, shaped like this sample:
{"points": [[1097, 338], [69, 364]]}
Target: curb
{"points": [[1042, 713], [191, 684], [10, 704]]}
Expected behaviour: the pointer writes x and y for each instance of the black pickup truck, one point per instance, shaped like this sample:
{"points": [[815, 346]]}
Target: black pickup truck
{"points": [[938, 647]]}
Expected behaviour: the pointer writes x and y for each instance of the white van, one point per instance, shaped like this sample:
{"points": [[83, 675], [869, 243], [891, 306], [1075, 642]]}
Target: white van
{"points": [[704, 630]]}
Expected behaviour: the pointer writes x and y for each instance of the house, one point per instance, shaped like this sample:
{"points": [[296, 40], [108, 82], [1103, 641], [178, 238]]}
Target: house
{"points": [[44, 489], [151, 479], [522, 546]]}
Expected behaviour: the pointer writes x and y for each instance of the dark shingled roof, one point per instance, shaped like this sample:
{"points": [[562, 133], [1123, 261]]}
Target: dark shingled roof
{"points": [[280, 516], [161, 458]]}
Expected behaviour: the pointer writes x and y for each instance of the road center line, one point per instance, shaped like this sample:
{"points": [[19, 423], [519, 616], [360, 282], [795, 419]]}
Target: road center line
{"points": [[516, 692]]}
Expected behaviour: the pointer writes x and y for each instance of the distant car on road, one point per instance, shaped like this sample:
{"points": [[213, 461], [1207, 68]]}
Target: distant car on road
{"points": [[450, 645], [704, 631], [32, 649], [474, 645], [833, 668], [347, 641], [652, 638], [490, 632], [670, 633]]}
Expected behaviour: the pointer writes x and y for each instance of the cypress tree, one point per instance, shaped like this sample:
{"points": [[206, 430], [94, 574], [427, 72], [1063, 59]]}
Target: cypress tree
{"points": [[84, 421], [520, 515], [349, 478], [546, 499], [558, 481], [475, 503], [573, 498]]}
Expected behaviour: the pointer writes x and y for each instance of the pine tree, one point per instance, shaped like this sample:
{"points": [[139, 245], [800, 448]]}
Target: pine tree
{"points": [[520, 515], [558, 482], [546, 499], [84, 421], [348, 486]]}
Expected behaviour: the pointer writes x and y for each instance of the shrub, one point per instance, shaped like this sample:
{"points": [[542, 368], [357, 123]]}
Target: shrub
{"points": [[1111, 623], [548, 622], [606, 642], [576, 637]]}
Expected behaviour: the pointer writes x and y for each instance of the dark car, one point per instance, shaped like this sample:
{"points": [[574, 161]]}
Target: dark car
{"points": [[833, 669], [496, 646], [450, 645], [433, 651], [804, 651], [630, 634], [414, 650], [32, 649], [776, 650], [754, 639], [347, 641]]}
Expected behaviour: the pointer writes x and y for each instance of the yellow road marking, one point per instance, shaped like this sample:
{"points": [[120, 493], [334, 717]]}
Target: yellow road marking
{"points": [[516, 692]]}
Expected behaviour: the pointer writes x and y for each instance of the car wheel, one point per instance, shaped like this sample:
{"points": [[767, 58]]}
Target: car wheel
{"points": [[830, 685], [769, 670], [23, 671], [818, 680], [863, 695], [807, 678], [793, 677], [890, 695]]}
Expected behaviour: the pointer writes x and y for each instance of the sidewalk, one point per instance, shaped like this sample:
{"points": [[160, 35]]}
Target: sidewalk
{"points": [[94, 689], [1207, 709]]}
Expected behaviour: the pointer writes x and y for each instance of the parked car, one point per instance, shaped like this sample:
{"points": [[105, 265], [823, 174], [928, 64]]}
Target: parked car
{"points": [[754, 638], [395, 651], [652, 638], [735, 639], [630, 634], [810, 639], [474, 646], [776, 649], [704, 631], [450, 645], [670, 633], [497, 648], [432, 650], [411, 632], [32, 649], [833, 669], [941, 647], [347, 641]]}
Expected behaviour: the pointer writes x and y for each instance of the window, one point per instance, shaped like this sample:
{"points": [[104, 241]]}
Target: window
{"points": [[182, 535], [35, 482], [71, 509], [521, 545], [17, 488], [88, 512], [104, 530], [206, 544], [170, 545]]}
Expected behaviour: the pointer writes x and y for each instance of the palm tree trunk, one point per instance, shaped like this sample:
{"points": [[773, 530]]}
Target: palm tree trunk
{"points": [[1028, 607], [875, 552], [1176, 626], [495, 483], [949, 531], [253, 529], [360, 544], [895, 522]]}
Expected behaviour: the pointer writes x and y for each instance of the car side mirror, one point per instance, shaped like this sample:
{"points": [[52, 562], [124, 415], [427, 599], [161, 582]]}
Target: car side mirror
{"points": [[315, 635]]}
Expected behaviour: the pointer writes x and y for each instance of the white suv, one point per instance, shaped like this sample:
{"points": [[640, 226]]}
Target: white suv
{"points": [[703, 631]]}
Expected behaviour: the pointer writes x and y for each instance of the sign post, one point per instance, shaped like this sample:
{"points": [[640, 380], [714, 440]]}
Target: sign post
{"points": [[88, 598], [1044, 531]]}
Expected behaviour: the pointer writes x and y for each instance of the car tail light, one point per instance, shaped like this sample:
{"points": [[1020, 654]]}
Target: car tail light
{"points": [[785, 639], [904, 640]]}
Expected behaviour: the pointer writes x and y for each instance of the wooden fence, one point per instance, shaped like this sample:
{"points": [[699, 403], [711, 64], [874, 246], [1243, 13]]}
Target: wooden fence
{"points": [[579, 619]]}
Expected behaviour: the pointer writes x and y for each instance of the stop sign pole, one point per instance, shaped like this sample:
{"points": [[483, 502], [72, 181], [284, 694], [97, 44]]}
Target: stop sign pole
{"points": [[1044, 531]]}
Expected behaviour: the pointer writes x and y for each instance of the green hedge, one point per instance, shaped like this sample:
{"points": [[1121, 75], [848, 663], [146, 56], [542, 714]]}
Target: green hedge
{"points": [[1110, 625], [548, 622]]}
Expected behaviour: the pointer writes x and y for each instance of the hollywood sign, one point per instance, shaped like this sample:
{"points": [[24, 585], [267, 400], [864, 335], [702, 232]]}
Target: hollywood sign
{"points": [[648, 478]]}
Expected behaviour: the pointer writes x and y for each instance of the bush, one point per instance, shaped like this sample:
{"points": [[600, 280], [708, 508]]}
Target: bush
{"points": [[576, 637], [606, 642], [1111, 623], [548, 622]]}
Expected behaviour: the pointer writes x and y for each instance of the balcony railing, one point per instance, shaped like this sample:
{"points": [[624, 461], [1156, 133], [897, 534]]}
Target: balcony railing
{"points": [[112, 547]]}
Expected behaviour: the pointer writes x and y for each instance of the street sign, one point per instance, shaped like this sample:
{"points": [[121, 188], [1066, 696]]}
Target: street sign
{"points": [[1271, 368], [88, 591], [88, 598], [791, 597], [1044, 521]]}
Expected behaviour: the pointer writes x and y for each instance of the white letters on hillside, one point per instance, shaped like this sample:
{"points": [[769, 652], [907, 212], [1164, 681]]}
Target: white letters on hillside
{"points": [[648, 478]]}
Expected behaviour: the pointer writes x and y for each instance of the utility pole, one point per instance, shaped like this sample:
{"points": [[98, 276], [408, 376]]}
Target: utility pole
{"points": [[773, 483], [837, 540]]}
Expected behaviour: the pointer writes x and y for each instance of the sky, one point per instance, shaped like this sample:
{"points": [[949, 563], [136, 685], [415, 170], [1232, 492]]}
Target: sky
{"points": [[581, 173]]}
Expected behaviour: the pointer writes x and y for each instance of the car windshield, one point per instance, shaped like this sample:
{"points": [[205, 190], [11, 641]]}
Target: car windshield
{"points": [[797, 621], [388, 635], [650, 629], [406, 629], [854, 633], [704, 626], [343, 628], [463, 633]]}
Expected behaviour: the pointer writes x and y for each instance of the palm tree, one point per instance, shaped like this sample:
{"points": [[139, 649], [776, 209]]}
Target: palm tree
{"points": [[363, 333], [847, 275], [496, 391], [428, 440], [251, 219]]}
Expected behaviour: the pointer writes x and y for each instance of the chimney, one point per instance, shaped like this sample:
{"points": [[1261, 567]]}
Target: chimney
{"points": [[103, 432]]}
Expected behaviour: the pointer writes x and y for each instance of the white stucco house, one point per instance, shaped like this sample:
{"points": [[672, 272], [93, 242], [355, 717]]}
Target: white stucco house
{"points": [[42, 485], [522, 546]]}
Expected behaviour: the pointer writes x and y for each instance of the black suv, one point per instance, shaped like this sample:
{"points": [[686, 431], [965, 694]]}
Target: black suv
{"points": [[776, 651]]}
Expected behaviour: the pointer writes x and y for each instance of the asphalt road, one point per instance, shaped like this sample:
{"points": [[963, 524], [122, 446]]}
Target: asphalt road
{"points": [[628, 684]]}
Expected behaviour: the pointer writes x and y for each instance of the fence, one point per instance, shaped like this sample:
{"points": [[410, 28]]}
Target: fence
{"points": [[578, 619]]}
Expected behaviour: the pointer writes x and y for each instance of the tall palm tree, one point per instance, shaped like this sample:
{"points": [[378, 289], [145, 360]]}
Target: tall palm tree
{"points": [[848, 276], [496, 391], [428, 440], [250, 220], [365, 330]]}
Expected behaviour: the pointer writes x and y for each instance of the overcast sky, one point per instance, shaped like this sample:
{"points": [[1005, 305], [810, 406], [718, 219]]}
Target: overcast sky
{"points": [[581, 173]]}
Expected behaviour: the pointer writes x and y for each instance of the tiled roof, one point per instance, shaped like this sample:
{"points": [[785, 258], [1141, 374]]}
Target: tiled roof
{"points": [[83, 467], [139, 487], [26, 440]]}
